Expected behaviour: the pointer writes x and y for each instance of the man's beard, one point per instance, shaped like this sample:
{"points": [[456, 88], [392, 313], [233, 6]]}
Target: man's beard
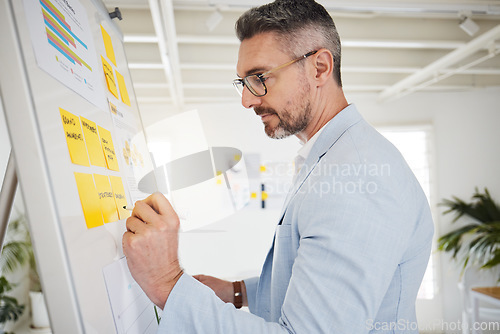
{"points": [[289, 124]]}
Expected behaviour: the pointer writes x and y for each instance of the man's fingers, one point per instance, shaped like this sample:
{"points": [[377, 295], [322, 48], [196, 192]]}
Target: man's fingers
{"points": [[145, 212], [134, 224], [161, 205], [153, 208]]}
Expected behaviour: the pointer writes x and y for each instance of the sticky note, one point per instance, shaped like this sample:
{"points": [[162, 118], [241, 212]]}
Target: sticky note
{"points": [[93, 143], [89, 200], [110, 52], [120, 199], [127, 153], [108, 148], [106, 197], [123, 88], [110, 78], [264, 195], [113, 108], [74, 138]]}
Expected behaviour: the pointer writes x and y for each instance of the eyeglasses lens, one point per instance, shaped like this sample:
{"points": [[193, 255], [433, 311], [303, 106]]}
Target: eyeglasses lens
{"points": [[256, 85], [253, 83]]}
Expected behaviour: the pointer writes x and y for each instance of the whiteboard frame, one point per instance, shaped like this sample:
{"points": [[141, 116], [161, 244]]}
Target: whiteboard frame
{"points": [[34, 179]]}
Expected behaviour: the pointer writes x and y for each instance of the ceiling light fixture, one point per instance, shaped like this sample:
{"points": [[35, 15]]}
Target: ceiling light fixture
{"points": [[214, 19], [468, 25]]}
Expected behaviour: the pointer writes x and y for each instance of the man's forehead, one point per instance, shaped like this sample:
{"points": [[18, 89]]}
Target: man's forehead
{"points": [[261, 52]]}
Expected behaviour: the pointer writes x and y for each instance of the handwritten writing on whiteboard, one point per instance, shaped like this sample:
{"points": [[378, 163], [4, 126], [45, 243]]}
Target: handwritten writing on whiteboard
{"points": [[108, 148], [120, 199], [108, 205], [110, 77], [93, 143], [74, 138]]}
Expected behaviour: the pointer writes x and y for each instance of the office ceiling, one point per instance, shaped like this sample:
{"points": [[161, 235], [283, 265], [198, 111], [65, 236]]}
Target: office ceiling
{"points": [[390, 48]]}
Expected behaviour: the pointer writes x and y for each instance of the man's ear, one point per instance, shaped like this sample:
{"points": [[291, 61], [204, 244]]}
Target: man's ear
{"points": [[323, 63]]}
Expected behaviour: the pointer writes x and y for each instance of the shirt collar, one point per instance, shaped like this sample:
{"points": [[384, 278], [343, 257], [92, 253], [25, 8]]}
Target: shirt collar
{"points": [[307, 146]]}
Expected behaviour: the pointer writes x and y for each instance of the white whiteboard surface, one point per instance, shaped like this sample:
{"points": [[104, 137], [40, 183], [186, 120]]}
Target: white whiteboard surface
{"points": [[70, 256]]}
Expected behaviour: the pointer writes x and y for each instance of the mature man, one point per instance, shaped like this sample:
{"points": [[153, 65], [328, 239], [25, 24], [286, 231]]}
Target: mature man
{"points": [[354, 237]]}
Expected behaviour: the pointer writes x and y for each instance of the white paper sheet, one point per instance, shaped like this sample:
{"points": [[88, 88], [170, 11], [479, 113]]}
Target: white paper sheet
{"points": [[133, 312], [64, 47]]}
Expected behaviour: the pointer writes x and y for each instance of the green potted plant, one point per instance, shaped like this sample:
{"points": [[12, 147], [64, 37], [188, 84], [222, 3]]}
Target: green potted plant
{"points": [[9, 307], [478, 242], [17, 252], [14, 252]]}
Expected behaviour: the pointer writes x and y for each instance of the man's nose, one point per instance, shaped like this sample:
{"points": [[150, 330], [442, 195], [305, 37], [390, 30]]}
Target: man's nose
{"points": [[248, 100]]}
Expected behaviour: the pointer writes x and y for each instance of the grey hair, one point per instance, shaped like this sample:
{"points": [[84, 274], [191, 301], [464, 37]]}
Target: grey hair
{"points": [[298, 24]]}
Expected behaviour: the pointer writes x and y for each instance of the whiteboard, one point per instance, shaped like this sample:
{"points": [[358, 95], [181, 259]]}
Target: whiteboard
{"points": [[39, 77]]}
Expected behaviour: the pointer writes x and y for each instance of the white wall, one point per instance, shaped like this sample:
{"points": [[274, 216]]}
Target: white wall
{"points": [[466, 155]]}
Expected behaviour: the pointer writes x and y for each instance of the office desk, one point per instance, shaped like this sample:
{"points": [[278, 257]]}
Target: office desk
{"points": [[488, 294]]}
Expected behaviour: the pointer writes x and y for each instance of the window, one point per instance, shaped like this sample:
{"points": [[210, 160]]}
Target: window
{"points": [[414, 145]]}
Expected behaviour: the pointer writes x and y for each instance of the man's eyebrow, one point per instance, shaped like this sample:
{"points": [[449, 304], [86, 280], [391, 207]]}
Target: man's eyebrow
{"points": [[255, 70]]}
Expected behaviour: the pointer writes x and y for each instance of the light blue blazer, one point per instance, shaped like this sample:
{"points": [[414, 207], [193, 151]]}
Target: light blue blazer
{"points": [[348, 255]]}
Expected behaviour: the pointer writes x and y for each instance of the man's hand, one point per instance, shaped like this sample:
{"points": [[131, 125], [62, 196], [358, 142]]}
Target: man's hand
{"points": [[223, 289], [151, 247]]}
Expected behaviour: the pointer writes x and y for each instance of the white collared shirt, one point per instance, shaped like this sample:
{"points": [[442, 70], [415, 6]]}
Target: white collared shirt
{"points": [[304, 151]]}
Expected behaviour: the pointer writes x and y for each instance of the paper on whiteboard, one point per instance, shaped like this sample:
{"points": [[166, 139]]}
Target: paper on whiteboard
{"points": [[133, 312], [64, 47]]}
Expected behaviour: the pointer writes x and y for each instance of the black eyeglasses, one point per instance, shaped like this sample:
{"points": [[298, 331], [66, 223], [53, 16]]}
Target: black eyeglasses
{"points": [[255, 82]]}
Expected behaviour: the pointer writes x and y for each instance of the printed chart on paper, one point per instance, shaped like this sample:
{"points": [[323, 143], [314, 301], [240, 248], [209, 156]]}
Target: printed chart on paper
{"points": [[64, 46]]}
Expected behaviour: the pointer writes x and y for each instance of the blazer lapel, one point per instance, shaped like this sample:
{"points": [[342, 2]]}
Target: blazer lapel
{"points": [[334, 129]]}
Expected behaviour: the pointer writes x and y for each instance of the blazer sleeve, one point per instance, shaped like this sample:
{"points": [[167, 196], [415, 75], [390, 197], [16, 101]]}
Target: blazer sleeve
{"points": [[194, 308], [251, 287]]}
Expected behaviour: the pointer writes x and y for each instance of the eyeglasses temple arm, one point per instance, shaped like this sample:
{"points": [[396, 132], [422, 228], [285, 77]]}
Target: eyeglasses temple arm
{"points": [[289, 63]]}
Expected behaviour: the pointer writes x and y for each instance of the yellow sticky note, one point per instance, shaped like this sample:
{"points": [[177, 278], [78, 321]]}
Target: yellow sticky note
{"points": [[113, 108], [108, 148], [89, 200], [120, 199], [106, 198], [110, 52], [74, 138], [123, 88], [218, 179], [110, 78], [93, 143]]}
